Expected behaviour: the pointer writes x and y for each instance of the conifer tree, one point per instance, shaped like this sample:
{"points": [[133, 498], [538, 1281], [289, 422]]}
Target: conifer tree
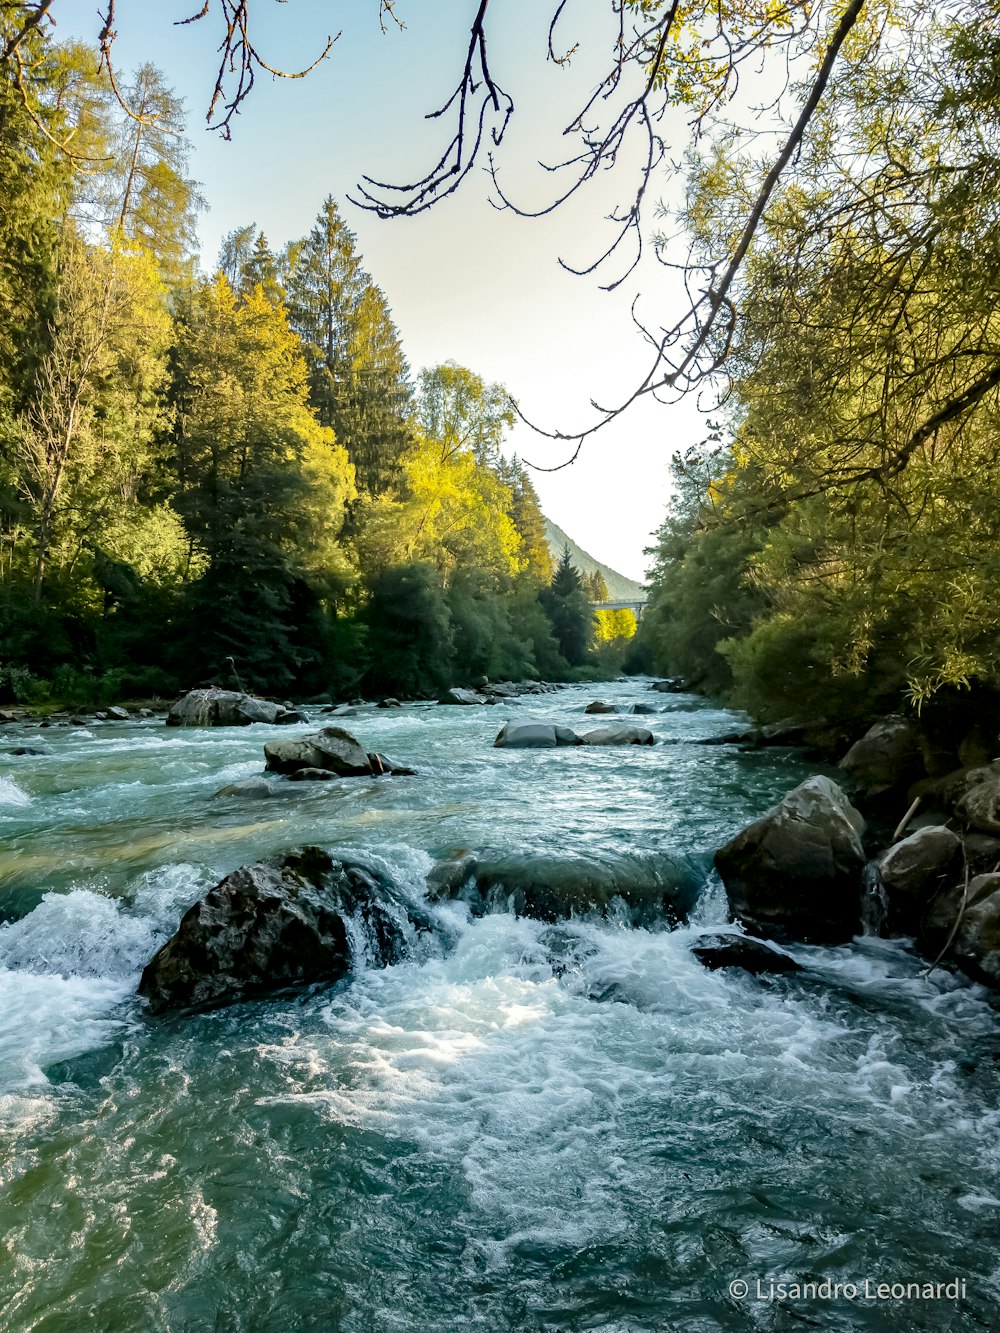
{"points": [[358, 375], [568, 608]]}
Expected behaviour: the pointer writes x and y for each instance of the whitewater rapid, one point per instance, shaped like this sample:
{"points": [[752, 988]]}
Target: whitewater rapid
{"points": [[521, 1126]]}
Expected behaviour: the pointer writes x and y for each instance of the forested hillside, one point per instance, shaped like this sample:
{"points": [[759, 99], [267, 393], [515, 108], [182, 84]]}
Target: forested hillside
{"points": [[233, 474], [614, 586]]}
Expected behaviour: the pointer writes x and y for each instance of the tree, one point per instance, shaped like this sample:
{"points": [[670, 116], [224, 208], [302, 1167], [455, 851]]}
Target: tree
{"points": [[130, 169], [463, 413], [528, 519], [568, 608], [263, 488], [95, 405], [662, 55], [856, 510], [358, 376], [597, 587], [409, 630]]}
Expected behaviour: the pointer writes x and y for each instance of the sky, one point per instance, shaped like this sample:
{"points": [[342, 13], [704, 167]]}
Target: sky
{"points": [[465, 281]]}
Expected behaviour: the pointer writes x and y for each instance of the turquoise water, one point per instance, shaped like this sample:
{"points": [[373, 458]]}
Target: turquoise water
{"points": [[525, 1127]]}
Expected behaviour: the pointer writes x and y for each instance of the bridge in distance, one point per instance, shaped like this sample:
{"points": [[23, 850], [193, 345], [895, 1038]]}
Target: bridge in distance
{"points": [[637, 607]]}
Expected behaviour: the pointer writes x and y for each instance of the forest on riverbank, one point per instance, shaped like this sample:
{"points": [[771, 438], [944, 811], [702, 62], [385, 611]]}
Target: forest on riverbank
{"points": [[833, 549], [196, 468]]}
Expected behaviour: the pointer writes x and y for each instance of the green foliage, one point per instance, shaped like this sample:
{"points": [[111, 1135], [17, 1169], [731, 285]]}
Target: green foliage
{"points": [[841, 557], [195, 470], [568, 609], [409, 630], [358, 375]]}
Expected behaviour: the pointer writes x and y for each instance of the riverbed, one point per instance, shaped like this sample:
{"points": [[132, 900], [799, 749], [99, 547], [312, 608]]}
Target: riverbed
{"points": [[523, 1126]]}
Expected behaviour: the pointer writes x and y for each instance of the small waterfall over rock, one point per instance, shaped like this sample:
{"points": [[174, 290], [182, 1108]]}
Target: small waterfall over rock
{"points": [[874, 902]]}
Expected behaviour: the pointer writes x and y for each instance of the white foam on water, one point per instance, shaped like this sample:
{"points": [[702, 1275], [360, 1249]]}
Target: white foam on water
{"points": [[11, 793], [69, 965]]}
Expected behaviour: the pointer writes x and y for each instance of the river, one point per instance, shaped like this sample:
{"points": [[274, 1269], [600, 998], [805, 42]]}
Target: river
{"points": [[523, 1126]]}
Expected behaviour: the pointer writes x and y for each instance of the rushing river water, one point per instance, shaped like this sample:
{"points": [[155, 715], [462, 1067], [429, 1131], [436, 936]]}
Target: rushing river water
{"points": [[524, 1127]]}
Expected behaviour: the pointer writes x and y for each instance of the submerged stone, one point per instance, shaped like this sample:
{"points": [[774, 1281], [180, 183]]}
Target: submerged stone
{"points": [[727, 949], [331, 748], [553, 888]]}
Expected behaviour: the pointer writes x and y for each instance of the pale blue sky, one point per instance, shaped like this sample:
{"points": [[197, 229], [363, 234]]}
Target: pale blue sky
{"points": [[464, 281]]}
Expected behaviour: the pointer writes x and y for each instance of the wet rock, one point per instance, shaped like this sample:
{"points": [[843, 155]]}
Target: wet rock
{"points": [[598, 707], [789, 731], [916, 868], [101, 717], [257, 789], [553, 888], [389, 703], [24, 750], [464, 697], [745, 736], [6, 716], [796, 872], [281, 923], [287, 716], [886, 758], [977, 942], [623, 735], [221, 708], [980, 804], [331, 748], [644, 709], [726, 949], [146, 712], [671, 686], [311, 775], [982, 852], [342, 710], [382, 764], [534, 736], [119, 714]]}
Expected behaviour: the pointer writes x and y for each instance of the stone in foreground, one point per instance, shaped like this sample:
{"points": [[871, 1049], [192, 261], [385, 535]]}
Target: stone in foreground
{"points": [[279, 924], [726, 949], [331, 748], [534, 736], [623, 735], [796, 872]]}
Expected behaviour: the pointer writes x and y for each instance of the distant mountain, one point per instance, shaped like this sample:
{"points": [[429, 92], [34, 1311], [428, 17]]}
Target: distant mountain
{"points": [[620, 589]]}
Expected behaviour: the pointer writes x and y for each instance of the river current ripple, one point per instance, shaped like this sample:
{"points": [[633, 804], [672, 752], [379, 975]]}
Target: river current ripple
{"points": [[524, 1127]]}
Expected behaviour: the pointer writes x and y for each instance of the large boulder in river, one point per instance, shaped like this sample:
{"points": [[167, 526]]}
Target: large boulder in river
{"points": [[977, 942], [915, 869], [534, 736], [621, 735], [281, 923], [460, 696], [598, 707], [648, 889], [886, 758], [226, 708], [331, 748], [796, 872]]}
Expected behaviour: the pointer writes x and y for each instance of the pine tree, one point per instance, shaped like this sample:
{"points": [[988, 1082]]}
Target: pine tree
{"points": [[568, 608], [529, 520], [358, 375]]}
